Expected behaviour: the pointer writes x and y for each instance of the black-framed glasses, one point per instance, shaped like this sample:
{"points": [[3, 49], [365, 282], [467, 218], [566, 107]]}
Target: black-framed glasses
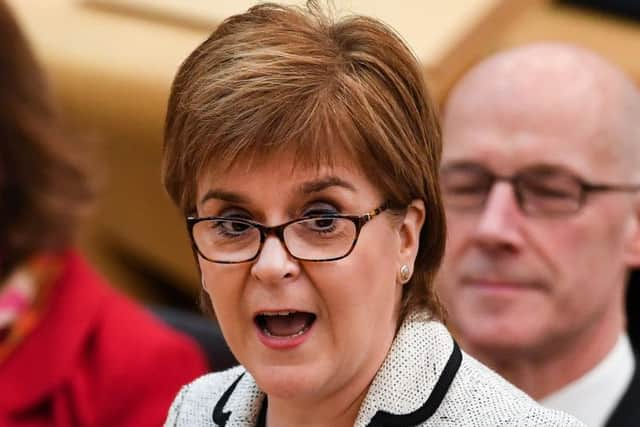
{"points": [[539, 190], [318, 238]]}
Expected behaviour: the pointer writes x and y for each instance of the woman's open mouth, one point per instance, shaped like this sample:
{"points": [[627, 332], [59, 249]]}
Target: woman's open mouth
{"points": [[283, 329]]}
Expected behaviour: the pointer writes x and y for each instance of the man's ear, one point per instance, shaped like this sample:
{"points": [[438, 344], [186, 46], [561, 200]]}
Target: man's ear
{"points": [[632, 250], [410, 233]]}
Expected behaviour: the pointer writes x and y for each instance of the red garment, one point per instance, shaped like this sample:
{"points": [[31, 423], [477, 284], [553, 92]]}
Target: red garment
{"points": [[95, 359], [23, 298]]}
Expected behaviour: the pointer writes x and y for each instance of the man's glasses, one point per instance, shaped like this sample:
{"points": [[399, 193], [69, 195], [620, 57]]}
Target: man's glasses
{"points": [[539, 191], [316, 238]]}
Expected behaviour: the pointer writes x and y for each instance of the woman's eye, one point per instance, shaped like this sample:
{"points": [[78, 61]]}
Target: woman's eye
{"points": [[235, 226], [323, 224], [230, 228]]}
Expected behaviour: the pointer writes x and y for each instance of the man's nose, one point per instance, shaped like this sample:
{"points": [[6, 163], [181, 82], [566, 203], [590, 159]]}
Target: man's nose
{"points": [[499, 225], [274, 262]]}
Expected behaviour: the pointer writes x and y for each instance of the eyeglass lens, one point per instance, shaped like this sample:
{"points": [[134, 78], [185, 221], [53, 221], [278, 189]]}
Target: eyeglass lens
{"points": [[539, 191], [316, 239]]}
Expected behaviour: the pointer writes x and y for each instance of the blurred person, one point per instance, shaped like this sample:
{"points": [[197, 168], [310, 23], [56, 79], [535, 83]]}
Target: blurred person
{"points": [[72, 351], [540, 180], [304, 153]]}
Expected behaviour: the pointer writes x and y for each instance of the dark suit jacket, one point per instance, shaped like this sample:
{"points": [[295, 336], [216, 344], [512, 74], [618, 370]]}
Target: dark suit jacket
{"points": [[633, 312], [627, 413]]}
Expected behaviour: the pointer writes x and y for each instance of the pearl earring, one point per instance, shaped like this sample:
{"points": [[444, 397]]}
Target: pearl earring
{"points": [[405, 273]]}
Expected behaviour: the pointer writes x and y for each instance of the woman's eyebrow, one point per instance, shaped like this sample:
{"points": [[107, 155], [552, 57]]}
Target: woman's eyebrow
{"points": [[306, 188], [226, 196], [324, 183]]}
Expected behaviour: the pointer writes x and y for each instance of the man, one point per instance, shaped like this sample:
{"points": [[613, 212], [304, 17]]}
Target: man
{"points": [[540, 175]]}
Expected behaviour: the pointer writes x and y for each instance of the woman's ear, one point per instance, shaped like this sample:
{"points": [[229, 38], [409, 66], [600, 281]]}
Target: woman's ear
{"points": [[410, 233]]}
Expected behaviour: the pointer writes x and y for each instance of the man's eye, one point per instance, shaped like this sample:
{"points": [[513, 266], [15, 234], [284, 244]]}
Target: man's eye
{"points": [[551, 191], [469, 188]]}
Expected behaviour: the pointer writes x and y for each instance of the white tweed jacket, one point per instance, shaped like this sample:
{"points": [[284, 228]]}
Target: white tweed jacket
{"points": [[424, 381]]}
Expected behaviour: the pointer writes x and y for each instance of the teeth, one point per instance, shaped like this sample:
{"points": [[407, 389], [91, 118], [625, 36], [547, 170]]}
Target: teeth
{"points": [[297, 334], [278, 313]]}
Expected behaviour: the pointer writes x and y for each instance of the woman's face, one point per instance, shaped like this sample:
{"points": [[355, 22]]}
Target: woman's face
{"points": [[308, 330]]}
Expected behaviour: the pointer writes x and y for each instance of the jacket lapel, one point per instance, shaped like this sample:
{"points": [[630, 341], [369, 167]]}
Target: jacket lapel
{"points": [[240, 404], [414, 377], [407, 390]]}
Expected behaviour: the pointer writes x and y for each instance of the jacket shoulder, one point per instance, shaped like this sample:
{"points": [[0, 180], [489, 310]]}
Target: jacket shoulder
{"points": [[627, 412], [194, 404], [480, 397]]}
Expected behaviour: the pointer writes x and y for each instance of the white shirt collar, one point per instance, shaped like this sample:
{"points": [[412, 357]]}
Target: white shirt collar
{"points": [[593, 397]]}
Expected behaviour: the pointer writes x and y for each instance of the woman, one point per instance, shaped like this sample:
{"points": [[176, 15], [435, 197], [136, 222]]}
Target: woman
{"points": [[65, 335], [304, 153]]}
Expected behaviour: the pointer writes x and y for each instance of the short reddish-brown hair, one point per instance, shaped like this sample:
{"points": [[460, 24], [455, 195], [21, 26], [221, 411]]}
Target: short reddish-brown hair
{"points": [[292, 78], [44, 187]]}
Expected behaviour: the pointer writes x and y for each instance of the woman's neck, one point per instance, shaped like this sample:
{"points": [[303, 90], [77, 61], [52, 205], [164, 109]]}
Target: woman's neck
{"points": [[333, 411]]}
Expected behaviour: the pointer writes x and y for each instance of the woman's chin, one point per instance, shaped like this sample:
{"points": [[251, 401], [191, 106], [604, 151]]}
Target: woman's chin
{"points": [[289, 382]]}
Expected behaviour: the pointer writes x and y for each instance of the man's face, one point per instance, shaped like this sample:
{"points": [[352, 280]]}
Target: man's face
{"points": [[514, 283]]}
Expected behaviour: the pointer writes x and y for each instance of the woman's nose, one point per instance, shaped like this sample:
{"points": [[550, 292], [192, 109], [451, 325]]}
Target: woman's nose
{"points": [[274, 263]]}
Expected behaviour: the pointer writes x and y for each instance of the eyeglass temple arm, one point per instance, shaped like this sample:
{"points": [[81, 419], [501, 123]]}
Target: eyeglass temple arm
{"points": [[370, 215], [612, 187]]}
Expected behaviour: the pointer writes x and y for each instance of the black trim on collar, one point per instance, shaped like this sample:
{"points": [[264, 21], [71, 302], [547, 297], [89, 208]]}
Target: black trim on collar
{"points": [[219, 417], [262, 415], [420, 415], [381, 418]]}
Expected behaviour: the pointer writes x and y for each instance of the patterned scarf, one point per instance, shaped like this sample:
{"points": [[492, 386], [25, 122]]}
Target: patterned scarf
{"points": [[23, 297]]}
